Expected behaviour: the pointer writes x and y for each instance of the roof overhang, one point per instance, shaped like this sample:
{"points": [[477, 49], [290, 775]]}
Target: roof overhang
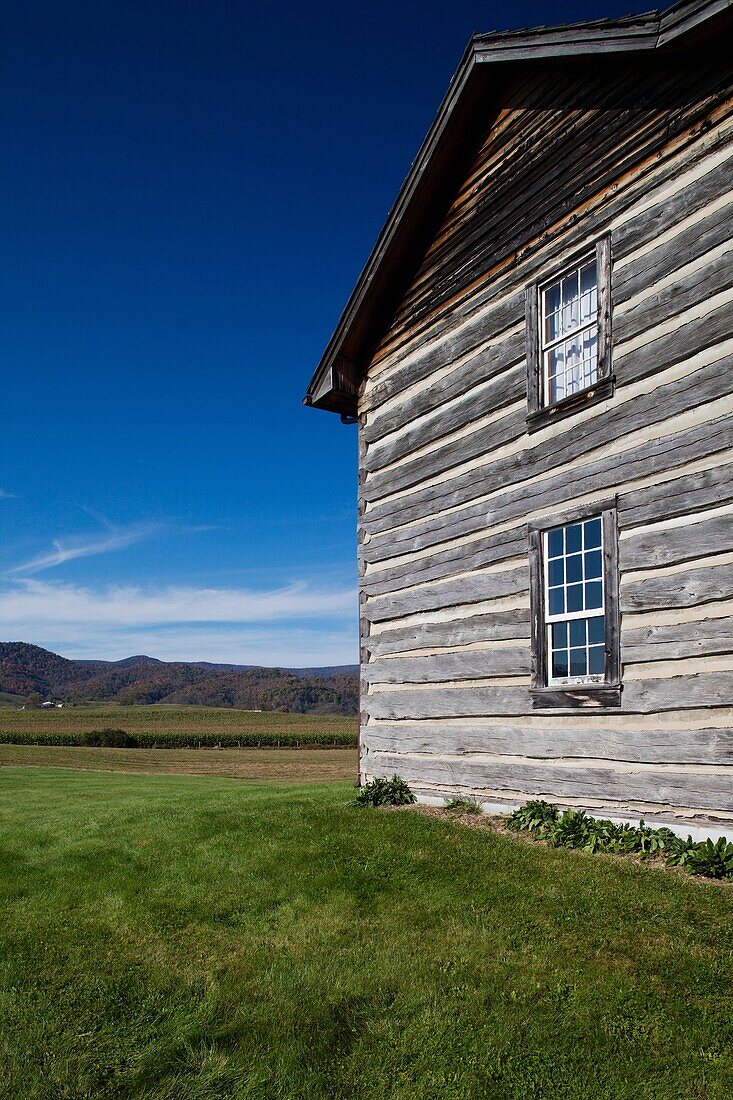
{"points": [[436, 168]]}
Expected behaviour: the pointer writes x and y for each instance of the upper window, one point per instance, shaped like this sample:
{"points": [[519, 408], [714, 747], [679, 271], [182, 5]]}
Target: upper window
{"points": [[570, 332], [568, 338], [575, 616]]}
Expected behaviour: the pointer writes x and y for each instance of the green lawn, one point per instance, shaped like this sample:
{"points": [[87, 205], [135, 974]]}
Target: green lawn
{"points": [[186, 937]]}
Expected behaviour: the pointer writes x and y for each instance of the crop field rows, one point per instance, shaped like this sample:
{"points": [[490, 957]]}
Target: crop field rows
{"points": [[178, 727]]}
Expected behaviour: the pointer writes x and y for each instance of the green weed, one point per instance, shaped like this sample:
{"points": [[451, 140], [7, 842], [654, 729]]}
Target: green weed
{"points": [[385, 792], [575, 829]]}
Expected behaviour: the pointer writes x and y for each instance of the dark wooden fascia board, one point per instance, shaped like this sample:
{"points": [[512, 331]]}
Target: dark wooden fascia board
{"points": [[648, 31], [601, 36], [682, 19], [372, 302]]}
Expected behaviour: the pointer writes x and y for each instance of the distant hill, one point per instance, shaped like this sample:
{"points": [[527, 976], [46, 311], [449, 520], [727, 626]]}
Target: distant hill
{"points": [[26, 668]]}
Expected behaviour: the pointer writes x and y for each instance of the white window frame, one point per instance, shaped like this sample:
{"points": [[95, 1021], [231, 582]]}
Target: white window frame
{"points": [[567, 616], [547, 346]]}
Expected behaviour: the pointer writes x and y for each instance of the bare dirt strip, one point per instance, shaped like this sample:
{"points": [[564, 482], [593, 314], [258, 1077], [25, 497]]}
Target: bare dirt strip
{"points": [[286, 765]]}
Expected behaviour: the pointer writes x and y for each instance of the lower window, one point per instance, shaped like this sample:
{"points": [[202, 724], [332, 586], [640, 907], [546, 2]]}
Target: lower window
{"points": [[574, 605], [574, 579]]}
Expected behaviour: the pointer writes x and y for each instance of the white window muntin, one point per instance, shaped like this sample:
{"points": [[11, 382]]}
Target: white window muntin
{"points": [[571, 324], [592, 547]]}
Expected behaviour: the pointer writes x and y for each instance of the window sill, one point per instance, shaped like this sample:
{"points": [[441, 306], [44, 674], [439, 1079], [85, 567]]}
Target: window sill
{"points": [[549, 414], [577, 697]]}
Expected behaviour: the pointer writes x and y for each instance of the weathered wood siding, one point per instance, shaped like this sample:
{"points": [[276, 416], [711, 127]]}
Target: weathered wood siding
{"points": [[450, 477]]}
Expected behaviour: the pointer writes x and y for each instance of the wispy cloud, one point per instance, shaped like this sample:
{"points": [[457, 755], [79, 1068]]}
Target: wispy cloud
{"points": [[297, 624], [5, 495], [131, 605], [106, 542]]}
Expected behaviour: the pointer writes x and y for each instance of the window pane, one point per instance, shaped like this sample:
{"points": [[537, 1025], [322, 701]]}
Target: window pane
{"points": [[573, 358], [593, 565], [596, 660], [592, 528], [577, 632], [557, 601], [557, 389], [593, 596], [570, 302], [560, 663], [559, 635], [588, 291], [578, 662], [588, 277], [556, 373], [552, 312], [590, 356], [596, 630], [556, 571], [575, 597], [574, 568], [554, 542], [556, 363], [573, 538]]}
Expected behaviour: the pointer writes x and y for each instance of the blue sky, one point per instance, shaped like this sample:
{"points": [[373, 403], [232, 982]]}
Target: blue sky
{"points": [[189, 192]]}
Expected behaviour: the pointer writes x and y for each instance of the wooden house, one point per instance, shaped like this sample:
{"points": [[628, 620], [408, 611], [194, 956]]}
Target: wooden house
{"points": [[539, 356]]}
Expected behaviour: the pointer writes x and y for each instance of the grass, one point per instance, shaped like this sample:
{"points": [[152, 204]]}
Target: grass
{"points": [[191, 938], [288, 765], [164, 725]]}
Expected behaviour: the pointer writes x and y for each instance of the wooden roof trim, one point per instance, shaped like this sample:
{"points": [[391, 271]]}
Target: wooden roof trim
{"points": [[648, 31], [599, 36], [687, 15]]}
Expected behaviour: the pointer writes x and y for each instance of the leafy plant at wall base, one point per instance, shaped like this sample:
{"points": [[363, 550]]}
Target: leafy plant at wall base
{"points": [[574, 829], [712, 859], [681, 852], [385, 792], [571, 830], [655, 842], [532, 816]]}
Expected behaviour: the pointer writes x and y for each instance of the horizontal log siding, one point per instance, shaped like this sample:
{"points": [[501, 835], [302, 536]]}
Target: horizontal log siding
{"points": [[450, 478], [585, 132]]}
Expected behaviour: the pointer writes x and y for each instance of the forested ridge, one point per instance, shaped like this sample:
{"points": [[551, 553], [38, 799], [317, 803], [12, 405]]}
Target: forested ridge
{"points": [[29, 671]]}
